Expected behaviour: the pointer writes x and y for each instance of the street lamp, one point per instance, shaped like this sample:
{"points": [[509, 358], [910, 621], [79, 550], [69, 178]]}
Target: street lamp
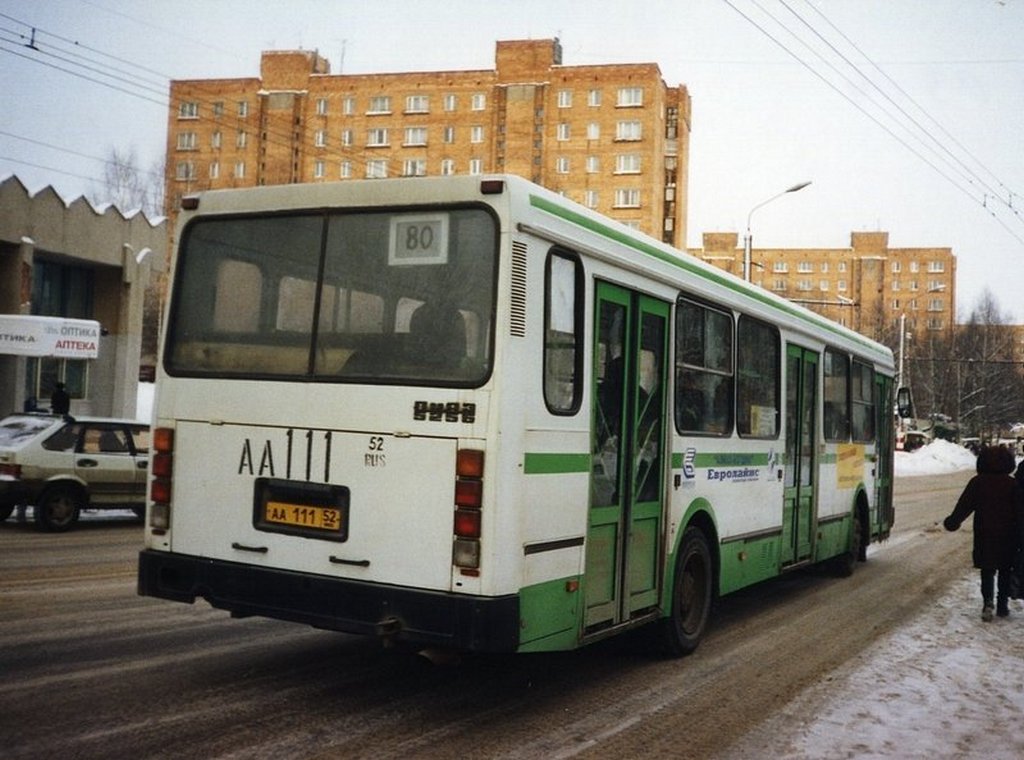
{"points": [[749, 239]]}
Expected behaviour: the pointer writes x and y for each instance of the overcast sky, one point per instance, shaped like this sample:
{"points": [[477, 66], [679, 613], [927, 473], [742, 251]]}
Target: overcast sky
{"points": [[908, 117]]}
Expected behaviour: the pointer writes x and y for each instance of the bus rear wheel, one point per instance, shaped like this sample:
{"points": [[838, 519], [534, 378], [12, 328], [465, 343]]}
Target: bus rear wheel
{"points": [[688, 618]]}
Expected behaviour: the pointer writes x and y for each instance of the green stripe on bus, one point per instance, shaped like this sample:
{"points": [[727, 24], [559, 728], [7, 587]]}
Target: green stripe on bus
{"points": [[555, 464], [757, 294], [724, 459]]}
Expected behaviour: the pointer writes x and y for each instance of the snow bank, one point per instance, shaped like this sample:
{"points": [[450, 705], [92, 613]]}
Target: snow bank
{"points": [[937, 458]]}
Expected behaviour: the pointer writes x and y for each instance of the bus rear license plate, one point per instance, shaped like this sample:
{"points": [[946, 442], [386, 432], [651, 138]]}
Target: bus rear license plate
{"points": [[303, 515], [314, 510]]}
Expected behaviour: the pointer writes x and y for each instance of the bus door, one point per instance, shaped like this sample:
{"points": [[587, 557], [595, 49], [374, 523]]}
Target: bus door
{"points": [[801, 468], [884, 440], [628, 455]]}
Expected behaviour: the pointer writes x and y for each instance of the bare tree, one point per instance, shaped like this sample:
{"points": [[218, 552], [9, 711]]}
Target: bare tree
{"points": [[990, 384], [128, 187]]}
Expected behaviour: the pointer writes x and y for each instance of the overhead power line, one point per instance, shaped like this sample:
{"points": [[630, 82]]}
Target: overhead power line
{"points": [[959, 170]]}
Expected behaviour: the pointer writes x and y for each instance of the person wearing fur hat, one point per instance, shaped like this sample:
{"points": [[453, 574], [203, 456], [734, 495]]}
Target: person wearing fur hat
{"points": [[990, 497]]}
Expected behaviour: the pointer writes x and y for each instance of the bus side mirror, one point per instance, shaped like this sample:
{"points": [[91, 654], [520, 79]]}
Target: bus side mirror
{"points": [[904, 403]]}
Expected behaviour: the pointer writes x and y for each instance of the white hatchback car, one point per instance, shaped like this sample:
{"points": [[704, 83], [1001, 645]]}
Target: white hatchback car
{"points": [[62, 465]]}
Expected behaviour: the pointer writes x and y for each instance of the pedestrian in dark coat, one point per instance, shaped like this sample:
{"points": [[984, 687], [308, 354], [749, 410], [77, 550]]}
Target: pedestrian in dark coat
{"points": [[990, 496]]}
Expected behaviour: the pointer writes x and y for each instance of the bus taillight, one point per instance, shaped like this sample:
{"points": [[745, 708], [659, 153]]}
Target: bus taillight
{"points": [[160, 487], [469, 489]]}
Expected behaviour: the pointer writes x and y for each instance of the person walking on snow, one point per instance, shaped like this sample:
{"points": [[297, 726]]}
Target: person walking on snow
{"points": [[990, 496]]}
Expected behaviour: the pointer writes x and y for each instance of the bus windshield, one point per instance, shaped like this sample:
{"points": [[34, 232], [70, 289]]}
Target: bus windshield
{"points": [[394, 297]]}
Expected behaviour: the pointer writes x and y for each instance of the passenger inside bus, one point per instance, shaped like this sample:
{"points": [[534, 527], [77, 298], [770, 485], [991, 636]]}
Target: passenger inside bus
{"points": [[437, 334]]}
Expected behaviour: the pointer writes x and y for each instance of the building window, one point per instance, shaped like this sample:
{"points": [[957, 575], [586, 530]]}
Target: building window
{"points": [[478, 101], [218, 109], [590, 198], [214, 170], [476, 166], [377, 138], [415, 136], [841, 286], [414, 167], [593, 131], [448, 135], [565, 98], [562, 131], [450, 102], [348, 106], [185, 170], [346, 170], [627, 131], [842, 266], [346, 137], [380, 104], [593, 164], [447, 167], [318, 169], [187, 141], [630, 97], [895, 285], [417, 104], [824, 267], [377, 168], [240, 170], [779, 286], [914, 267], [320, 138], [823, 285], [780, 267], [476, 134], [562, 165], [935, 304], [594, 98], [321, 106], [241, 139], [627, 198], [805, 267], [243, 108], [896, 266], [936, 266], [627, 163], [215, 139], [188, 110]]}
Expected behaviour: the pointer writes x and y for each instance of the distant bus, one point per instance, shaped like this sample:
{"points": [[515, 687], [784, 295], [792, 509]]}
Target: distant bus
{"points": [[466, 412]]}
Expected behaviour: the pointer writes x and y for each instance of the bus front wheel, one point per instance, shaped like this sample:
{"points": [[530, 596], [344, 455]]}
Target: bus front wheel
{"points": [[684, 627]]}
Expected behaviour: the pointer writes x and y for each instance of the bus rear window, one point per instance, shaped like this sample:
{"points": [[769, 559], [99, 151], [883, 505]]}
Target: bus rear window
{"points": [[393, 297]]}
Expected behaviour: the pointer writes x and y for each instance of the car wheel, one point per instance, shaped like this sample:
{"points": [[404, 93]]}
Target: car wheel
{"points": [[58, 508]]}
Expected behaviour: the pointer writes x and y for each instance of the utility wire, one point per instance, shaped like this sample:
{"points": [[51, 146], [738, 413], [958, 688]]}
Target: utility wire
{"points": [[860, 107]]}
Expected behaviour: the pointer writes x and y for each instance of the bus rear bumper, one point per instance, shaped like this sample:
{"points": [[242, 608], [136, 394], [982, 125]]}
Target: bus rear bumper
{"points": [[414, 616]]}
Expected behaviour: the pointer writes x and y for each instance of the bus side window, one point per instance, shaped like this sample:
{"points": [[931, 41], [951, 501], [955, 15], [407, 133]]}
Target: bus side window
{"points": [[562, 334]]}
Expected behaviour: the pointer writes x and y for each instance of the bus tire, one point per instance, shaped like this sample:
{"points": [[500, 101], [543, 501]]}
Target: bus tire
{"points": [[844, 564], [58, 508], [692, 592]]}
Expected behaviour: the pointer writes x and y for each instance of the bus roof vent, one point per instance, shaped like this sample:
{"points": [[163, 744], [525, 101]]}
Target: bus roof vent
{"points": [[518, 315]]}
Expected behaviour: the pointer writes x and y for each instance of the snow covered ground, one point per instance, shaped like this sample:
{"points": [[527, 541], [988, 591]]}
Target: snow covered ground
{"points": [[946, 686]]}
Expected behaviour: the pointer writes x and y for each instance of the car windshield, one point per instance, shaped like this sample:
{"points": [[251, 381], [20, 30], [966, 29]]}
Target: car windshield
{"points": [[16, 430]]}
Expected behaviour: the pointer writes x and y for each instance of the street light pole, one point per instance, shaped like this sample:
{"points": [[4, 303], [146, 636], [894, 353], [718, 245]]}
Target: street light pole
{"points": [[747, 241]]}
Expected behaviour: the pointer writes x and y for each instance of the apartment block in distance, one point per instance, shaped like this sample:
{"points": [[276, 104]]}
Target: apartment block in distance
{"points": [[613, 137], [868, 287]]}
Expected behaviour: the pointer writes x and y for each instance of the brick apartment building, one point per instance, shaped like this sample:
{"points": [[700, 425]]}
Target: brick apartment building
{"points": [[868, 287], [612, 137]]}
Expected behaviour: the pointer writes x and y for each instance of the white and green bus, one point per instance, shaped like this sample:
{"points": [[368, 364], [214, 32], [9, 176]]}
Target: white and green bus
{"points": [[466, 412]]}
